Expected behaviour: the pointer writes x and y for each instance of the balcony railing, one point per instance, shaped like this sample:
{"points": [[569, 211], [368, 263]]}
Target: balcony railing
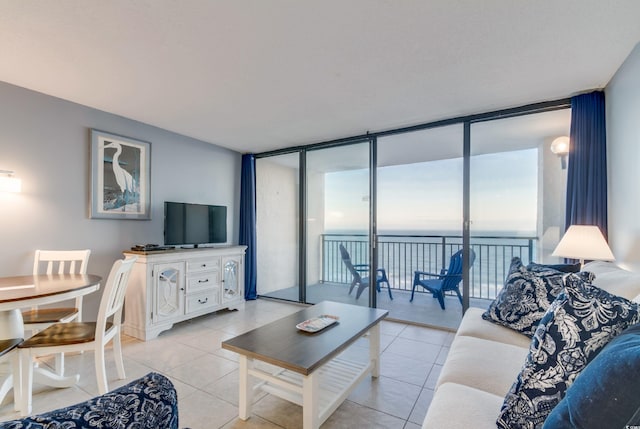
{"points": [[401, 255]]}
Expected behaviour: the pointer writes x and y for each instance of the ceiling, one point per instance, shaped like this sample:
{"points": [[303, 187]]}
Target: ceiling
{"points": [[256, 75]]}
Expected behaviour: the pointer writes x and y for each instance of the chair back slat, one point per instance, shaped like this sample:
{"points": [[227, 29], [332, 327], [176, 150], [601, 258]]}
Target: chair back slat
{"points": [[66, 261], [454, 273], [115, 290], [346, 258]]}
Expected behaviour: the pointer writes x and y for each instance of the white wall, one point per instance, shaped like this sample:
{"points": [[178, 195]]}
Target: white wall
{"points": [[276, 225], [552, 189], [46, 141], [623, 161]]}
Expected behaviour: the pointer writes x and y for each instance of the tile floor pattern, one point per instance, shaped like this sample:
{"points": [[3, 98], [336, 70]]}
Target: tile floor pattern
{"points": [[206, 376]]}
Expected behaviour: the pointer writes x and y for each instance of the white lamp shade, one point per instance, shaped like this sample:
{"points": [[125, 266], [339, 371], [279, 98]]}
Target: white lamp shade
{"points": [[584, 242]]}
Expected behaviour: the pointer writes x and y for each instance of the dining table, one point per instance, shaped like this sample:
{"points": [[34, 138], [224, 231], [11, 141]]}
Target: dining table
{"points": [[20, 292]]}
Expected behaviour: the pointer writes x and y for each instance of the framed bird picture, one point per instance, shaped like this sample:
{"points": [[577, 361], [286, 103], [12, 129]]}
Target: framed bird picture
{"points": [[120, 177]]}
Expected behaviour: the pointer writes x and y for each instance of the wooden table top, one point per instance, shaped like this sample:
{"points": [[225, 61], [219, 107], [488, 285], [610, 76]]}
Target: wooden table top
{"points": [[281, 343], [20, 288]]}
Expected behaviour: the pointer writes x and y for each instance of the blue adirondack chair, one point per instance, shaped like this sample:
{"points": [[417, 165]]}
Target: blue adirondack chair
{"points": [[363, 282], [448, 279]]}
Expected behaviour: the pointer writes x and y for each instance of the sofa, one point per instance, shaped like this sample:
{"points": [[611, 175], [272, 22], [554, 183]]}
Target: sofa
{"points": [[148, 402], [485, 359]]}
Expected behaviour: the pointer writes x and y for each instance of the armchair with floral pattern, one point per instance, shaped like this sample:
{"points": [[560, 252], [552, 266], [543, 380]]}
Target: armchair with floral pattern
{"points": [[148, 402]]}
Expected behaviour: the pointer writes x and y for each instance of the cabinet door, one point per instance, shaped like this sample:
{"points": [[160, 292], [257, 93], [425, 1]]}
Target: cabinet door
{"points": [[231, 276], [169, 291]]}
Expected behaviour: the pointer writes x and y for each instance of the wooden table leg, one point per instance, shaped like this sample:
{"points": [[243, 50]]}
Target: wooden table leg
{"points": [[310, 402], [246, 389], [374, 349]]}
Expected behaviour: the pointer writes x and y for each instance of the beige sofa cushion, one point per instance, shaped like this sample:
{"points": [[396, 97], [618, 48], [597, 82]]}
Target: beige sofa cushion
{"points": [[614, 279], [473, 325], [461, 407], [482, 364]]}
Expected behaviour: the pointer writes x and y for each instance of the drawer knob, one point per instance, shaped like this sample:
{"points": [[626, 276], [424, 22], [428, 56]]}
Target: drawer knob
{"points": [[203, 281], [203, 302]]}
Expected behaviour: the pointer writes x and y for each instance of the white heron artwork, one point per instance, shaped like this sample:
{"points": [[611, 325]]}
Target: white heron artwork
{"points": [[126, 182]]}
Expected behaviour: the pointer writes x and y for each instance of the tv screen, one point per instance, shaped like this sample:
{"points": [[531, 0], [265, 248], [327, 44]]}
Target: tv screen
{"points": [[186, 223]]}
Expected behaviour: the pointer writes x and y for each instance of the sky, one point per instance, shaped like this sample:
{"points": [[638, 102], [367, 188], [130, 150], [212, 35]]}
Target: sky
{"points": [[427, 196]]}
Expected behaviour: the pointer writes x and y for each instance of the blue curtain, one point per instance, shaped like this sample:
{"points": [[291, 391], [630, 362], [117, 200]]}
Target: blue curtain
{"points": [[587, 171], [248, 223]]}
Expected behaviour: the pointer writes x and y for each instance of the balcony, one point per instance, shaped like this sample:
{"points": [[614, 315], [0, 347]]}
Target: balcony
{"points": [[402, 255]]}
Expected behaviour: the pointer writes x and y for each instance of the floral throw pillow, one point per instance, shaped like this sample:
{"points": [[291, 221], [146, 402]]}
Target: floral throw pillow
{"points": [[525, 297], [579, 323]]}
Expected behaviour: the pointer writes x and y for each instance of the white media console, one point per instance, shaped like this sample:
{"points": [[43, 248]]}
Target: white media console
{"points": [[169, 286]]}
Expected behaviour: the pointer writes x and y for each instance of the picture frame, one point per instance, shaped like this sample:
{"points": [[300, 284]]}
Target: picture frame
{"points": [[120, 177]]}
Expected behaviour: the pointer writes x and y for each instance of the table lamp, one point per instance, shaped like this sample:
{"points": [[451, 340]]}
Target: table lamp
{"points": [[584, 242]]}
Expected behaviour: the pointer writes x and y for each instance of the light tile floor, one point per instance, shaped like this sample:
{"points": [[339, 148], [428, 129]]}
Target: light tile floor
{"points": [[206, 376]]}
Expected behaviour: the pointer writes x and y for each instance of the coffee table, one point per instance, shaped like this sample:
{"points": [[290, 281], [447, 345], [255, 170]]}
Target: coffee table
{"points": [[304, 368]]}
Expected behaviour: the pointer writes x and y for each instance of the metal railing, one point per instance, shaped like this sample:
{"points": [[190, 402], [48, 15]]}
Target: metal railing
{"points": [[402, 255]]}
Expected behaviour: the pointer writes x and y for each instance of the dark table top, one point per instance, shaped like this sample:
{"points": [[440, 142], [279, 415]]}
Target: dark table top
{"points": [[282, 344]]}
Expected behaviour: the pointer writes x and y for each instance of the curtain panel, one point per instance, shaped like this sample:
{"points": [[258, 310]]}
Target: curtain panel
{"points": [[248, 223], [587, 170]]}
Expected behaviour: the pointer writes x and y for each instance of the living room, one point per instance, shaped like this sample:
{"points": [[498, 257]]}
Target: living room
{"points": [[45, 130]]}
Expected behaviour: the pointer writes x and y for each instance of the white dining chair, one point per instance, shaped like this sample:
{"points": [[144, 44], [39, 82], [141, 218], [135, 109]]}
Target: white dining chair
{"points": [[82, 336], [58, 262]]}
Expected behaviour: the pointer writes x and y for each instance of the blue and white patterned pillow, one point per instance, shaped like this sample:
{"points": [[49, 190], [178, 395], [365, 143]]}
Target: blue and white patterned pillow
{"points": [[579, 323], [525, 297]]}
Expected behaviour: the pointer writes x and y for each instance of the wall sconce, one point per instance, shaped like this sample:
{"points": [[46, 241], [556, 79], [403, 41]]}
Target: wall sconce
{"points": [[8, 183], [560, 146]]}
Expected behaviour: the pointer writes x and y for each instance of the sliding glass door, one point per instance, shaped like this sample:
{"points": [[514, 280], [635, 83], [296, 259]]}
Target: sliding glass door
{"points": [[419, 221], [487, 186], [337, 223], [517, 196]]}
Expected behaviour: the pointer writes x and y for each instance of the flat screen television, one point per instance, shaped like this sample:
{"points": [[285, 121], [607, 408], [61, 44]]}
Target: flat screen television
{"points": [[194, 224]]}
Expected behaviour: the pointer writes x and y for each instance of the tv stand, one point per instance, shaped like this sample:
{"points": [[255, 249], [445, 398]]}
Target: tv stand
{"points": [[173, 285]]}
